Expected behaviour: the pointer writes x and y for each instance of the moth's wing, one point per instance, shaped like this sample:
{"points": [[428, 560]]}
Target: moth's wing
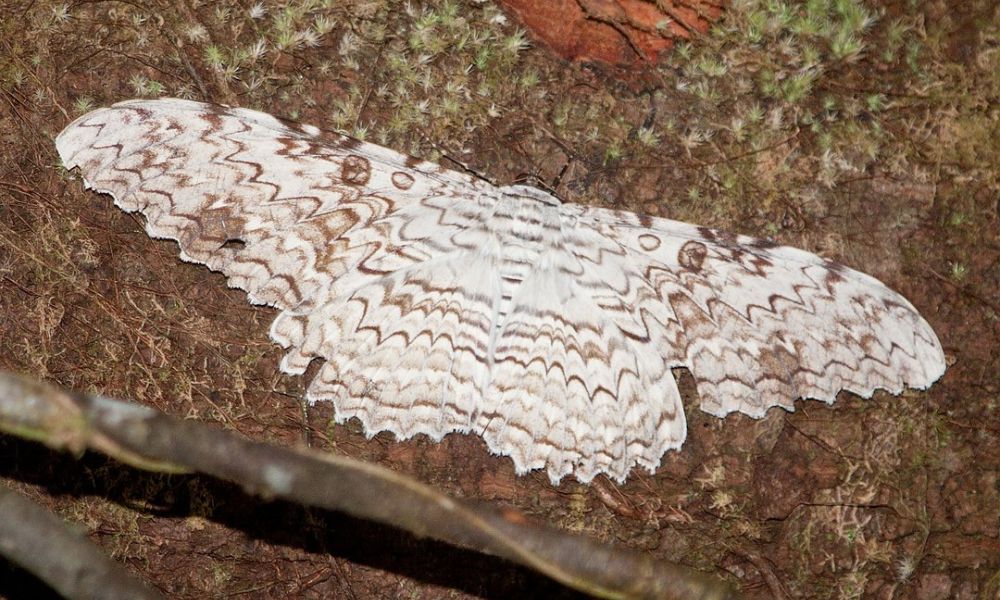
{"points": [[439, 303], [357, 245], [280, 208], [581, 380], [766, 324], [435, 302]]}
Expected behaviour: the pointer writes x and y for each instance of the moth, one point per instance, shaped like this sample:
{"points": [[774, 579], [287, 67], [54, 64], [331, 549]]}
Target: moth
{"points": [[437, 302]]}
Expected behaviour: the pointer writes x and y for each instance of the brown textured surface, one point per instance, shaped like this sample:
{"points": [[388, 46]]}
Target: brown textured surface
{"points": [[620, 32]]}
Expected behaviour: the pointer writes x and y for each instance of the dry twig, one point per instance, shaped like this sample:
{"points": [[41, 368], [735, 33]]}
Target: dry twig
{"points": [[40, 543]]}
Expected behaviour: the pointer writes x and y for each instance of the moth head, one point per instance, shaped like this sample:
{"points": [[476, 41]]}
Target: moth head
{"points": [[530, 192]]}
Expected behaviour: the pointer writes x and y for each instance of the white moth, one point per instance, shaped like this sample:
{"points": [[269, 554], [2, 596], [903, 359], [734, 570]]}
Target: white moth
{"points": [[438, 302]]}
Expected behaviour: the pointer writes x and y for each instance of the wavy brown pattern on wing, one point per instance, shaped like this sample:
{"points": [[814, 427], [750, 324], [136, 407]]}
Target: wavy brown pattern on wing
{"points": [[440, 303]]}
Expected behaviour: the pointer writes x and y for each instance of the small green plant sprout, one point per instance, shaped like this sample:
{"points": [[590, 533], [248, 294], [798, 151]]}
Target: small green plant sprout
{"points": [[612, 153], [214, 57], [82, 104], [959, 271], [875, 102], [60, 13], [647, 136]]}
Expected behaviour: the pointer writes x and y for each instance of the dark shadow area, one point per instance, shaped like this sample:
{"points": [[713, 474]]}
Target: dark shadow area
{"points": [[15, 583], [277, 523]]}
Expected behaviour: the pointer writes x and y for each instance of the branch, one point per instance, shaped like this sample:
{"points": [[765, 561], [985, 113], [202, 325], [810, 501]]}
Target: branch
{"points": [[148, 439], [68, 562]]}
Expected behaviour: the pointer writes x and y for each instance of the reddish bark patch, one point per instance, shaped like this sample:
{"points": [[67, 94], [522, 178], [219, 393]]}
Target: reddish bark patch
{"points": [[620, 32]]}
